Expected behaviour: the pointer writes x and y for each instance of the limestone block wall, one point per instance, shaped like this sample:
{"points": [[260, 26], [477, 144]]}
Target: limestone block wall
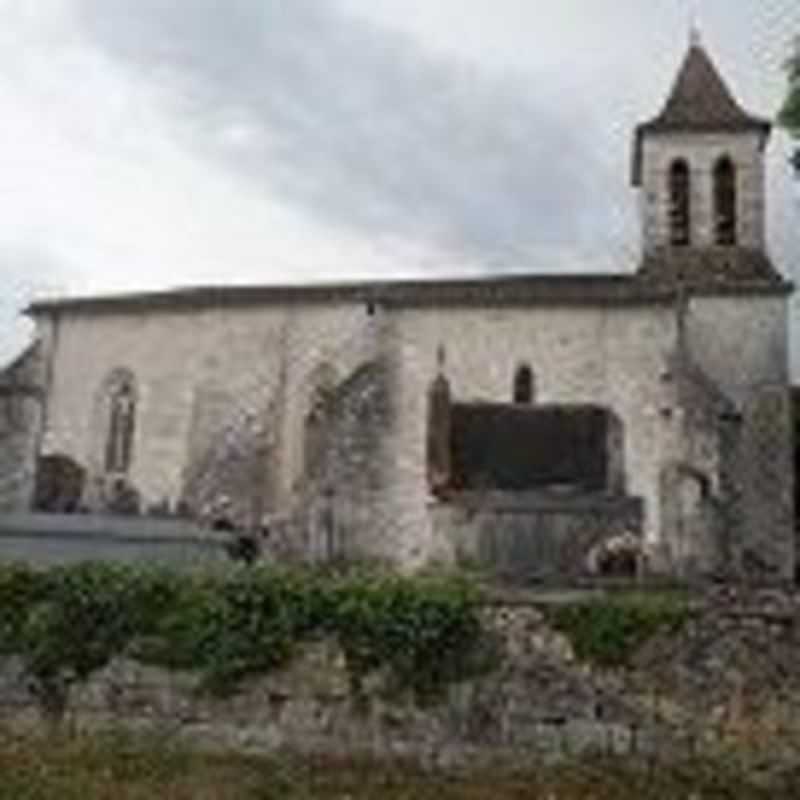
{"points": [[203, 377], [610, 356], [342, 514], [741, 343], [224, 395], [725, 683], [697, 505], [536, 537], [20, 424], [177, 359], [701, 151], [341, 339]]}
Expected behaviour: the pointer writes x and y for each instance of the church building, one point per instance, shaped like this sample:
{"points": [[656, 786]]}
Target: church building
{"points": [[531, 425]]}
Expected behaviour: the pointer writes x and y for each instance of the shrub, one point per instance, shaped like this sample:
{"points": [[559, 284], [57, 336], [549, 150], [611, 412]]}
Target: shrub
{"points": [[68, 622], [608, 631]]}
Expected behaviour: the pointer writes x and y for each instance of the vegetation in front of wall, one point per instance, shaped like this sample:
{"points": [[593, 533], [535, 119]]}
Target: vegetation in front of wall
{"points": [[66, 623], [608, 630]]}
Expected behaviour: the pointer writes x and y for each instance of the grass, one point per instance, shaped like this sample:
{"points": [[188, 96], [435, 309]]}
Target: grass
{"points": [[124, 767]]}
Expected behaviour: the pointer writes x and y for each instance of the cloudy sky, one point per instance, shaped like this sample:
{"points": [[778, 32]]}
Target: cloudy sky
{"points": [[154, 143]]}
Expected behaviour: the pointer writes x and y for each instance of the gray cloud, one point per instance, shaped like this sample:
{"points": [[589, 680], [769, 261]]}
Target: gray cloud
{"points": [[363, 128]]}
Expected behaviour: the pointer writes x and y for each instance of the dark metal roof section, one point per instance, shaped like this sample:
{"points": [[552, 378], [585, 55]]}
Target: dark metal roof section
{"points": [[700, 102]]}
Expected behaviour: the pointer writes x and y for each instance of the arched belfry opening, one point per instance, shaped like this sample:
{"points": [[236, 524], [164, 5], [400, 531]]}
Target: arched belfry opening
{"points": [[724, 202], [690, 161], [680, 219], [524, 389]]}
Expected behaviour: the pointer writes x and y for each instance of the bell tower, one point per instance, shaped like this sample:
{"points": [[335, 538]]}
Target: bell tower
{"points": [[699, 166]]}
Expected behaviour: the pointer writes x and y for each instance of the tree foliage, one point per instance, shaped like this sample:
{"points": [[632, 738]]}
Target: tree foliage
{"points": [[789, 115]]}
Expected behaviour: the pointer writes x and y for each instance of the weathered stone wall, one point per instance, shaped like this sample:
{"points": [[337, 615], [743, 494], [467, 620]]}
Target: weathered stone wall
{"points": [[203, 375], [20, 420], [701, 151], [534, 537], [612, 357], [741, 344], [343, 515], [172, 357], [202, 372], [726, 682], [225, 393], [699, 506]]}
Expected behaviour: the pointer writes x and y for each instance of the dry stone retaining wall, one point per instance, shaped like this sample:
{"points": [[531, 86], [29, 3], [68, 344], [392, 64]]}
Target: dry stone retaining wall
{"points": [[726, 681]]}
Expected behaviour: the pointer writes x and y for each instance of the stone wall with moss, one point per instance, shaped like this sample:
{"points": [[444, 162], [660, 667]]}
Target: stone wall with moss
{"points": [[657, 674]]}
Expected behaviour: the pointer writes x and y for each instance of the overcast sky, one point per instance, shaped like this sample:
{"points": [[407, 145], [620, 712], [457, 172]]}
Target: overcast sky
{"points": [[154, 143]]}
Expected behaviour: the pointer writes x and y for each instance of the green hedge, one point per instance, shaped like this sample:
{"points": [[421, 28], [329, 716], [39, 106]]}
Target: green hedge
{"points": [[68, 622], [609, 630]]}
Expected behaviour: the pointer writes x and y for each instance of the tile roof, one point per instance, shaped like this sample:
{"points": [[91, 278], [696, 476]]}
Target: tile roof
{"points": [[712, 269], [654, 282], [699, 102]]}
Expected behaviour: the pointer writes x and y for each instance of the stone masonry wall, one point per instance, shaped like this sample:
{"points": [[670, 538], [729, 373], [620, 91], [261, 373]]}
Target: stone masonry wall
{"points": [[751, 367], [342, 515], [20, 417], [701, 152], [726, 682], [202, 373], [607, 356], [535, 537], [203, 377]]}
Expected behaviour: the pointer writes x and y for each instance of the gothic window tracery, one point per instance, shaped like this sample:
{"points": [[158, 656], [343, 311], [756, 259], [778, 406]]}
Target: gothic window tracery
{"points": [[679, 204], [121, 422]]}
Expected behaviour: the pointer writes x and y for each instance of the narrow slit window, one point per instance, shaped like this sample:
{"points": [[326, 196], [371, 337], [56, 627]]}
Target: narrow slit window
{"points": [[523, 385]]}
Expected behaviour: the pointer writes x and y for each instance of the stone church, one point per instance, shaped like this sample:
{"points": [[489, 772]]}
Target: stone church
{"points": [[526, 424]]}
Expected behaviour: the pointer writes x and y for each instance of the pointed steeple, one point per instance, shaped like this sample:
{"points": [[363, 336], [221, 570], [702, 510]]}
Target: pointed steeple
{"points": [[699, 102], [700, 99], [700, 166]]}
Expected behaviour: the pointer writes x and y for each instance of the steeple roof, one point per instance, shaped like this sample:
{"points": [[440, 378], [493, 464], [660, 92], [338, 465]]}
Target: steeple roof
{"points": [[700, 102]]}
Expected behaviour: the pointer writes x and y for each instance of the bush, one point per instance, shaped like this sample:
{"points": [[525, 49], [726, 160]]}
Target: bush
{"points": [[68, 622], [607, 632]]}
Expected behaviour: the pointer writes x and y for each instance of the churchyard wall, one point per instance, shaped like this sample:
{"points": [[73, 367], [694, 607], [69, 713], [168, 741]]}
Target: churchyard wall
{"points": [[722, 681]]}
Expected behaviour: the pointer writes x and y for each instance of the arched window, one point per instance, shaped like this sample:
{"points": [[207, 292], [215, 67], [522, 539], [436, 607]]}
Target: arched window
{"points": [[725, 202], [680, 220], [523, 385], [439, 429], [121, 421]]}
